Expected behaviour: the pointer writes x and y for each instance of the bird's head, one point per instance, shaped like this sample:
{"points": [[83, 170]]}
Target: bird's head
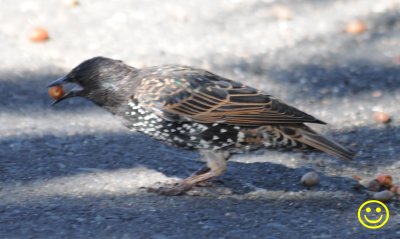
{"points": [[99, 79]]}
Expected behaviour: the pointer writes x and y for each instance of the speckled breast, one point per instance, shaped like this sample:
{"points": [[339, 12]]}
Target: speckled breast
{"points": [[186, 134]]}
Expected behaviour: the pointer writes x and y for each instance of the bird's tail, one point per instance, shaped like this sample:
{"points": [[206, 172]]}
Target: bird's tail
{"points": [[309, 137]]}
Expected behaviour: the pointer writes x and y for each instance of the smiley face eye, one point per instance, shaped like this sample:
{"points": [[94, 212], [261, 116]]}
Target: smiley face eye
{"points": [[368, 209], [378, 209]]}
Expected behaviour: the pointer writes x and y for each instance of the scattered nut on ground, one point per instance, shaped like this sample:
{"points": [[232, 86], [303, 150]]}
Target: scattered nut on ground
{"points": [[385, 180], [356, 27], [39, 34], [381, 117], [71, 3]]}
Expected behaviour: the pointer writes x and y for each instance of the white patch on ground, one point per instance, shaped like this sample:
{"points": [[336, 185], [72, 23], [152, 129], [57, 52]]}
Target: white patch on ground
{"points": [[91, 181]]}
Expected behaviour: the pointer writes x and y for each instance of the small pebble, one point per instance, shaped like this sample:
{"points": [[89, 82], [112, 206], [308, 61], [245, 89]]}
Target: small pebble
{"points": [[39, 35], [383, 196], [374, 185], [381, 117], [310, 179], [356, 27]]}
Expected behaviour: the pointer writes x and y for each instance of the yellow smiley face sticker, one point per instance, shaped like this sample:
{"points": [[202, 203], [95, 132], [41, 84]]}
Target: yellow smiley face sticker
{"points": [[373, 214]]}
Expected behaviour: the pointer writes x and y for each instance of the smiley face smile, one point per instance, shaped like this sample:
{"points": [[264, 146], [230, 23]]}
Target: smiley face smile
{"points": [[373, 221]]}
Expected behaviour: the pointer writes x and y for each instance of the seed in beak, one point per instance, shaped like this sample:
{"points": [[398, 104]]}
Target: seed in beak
{"points": [[56, 92]]}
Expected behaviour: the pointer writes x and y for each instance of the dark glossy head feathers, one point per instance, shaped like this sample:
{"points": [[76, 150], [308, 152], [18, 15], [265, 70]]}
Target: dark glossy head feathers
{"points": [[99, 72], [99, 79]]}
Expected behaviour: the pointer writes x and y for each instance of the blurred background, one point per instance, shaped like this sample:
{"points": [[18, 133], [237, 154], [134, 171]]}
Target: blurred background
{"points": [[73, 171]]}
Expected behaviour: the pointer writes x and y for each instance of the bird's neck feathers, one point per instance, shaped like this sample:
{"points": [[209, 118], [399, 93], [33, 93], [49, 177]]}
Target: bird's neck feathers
{"points": [[113, 90]]}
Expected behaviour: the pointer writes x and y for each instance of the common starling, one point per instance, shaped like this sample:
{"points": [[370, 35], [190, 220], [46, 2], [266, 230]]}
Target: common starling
{"points": [[195, 109]]}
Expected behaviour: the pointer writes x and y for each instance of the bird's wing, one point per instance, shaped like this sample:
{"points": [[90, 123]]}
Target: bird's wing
{"points": [[305, 135], [207, 98]]}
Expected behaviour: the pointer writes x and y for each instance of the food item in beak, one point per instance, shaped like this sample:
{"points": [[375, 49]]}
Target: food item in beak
{"points": [[56, 92]]}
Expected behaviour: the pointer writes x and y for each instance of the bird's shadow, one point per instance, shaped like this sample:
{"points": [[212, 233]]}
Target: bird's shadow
{"points": [[41, 158]]}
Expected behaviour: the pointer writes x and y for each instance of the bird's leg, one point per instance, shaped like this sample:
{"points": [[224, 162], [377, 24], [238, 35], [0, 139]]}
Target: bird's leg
{"points": [[216, 165]]}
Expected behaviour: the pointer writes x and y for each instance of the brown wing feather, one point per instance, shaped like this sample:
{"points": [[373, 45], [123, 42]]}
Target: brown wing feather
{"points": [[307, 136], [207, 98]]}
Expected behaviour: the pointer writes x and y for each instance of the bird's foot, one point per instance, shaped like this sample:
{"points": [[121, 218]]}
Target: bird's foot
{"points": [[216, 165]]}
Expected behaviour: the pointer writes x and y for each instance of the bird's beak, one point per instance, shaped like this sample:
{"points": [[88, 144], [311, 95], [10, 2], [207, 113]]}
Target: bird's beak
{"points": [[75, 91]]}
